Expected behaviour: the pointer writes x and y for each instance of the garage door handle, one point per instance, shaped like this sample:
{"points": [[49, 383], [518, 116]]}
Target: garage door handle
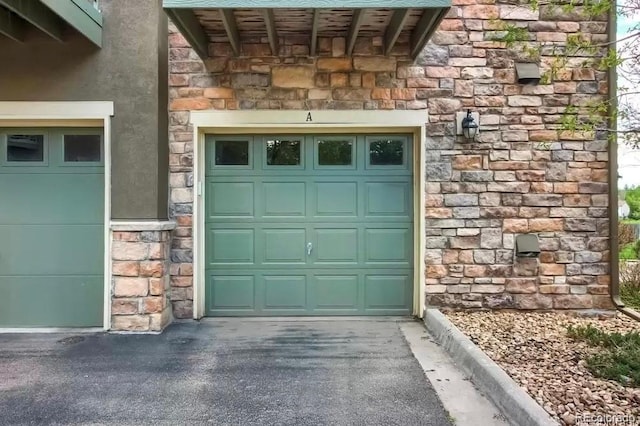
{"points": [[309, 248]]}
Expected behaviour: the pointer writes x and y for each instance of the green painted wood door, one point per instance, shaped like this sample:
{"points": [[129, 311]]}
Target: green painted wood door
{"points": [[51, 227], [309, 225]]}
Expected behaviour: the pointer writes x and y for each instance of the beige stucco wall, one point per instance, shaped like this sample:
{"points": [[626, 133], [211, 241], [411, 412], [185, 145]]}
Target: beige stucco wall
{"points": [[130, 70]]}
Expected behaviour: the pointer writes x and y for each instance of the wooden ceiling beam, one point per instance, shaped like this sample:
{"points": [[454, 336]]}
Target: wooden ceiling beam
{"points": [[272, 32], [314, 32], [354, 29], [190, 28], [11, 26], [230, 26], [425, 27], [37, 15], [394, 29]]}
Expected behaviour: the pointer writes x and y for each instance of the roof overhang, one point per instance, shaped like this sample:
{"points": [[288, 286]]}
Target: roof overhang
{"points": [[203, 22], [52, 17]]}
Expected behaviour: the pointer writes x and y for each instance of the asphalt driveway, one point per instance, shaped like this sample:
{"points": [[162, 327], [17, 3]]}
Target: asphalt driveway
{"points": [[236, 372]]}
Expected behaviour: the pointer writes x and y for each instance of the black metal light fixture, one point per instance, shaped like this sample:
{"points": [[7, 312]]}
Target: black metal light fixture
{"points": [[469, 126]]}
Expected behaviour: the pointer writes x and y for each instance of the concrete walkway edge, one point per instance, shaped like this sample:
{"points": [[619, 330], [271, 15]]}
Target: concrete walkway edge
{"points": [[514, 402]]}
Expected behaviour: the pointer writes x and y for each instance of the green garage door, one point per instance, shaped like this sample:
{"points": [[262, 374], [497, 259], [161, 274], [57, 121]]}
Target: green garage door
{"points": [[51, 228], [309, 225]]}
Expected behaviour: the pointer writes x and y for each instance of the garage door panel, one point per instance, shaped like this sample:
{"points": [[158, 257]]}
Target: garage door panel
{"points": [[52, 198], [337, 199], [387, 292], [308, 292], [231, 292], [284, 199], [51, 301], [231, 246], [336, 246], [230, 199], [336, 292], [51, 249], [284, 246], [388, 245], [388, 199], [285, 292]]}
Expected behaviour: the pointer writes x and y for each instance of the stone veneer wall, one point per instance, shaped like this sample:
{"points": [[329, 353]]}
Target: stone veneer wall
{"points": [[140, 283], [521, 174]]}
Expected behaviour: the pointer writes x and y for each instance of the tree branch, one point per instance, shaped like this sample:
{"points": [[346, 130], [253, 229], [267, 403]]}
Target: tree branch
{"points": [[609, 43]]}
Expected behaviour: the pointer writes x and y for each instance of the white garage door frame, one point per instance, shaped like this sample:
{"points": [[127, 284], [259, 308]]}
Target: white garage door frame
{"points": [[71, 114], [309, 122]]}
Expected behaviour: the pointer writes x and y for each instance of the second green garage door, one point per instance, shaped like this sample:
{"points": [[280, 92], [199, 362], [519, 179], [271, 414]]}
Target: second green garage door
{"points": [[51, 228], [309, 225]]}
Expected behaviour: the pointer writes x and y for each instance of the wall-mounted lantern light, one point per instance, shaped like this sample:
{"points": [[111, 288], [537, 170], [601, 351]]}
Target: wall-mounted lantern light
{"points": [[467, 124]]}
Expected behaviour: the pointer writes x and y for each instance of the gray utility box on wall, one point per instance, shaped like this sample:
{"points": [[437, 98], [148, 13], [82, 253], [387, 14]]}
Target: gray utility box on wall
{"points": [[527, 245]]}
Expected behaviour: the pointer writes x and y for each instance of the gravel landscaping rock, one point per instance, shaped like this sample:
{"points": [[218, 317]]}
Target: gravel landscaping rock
{"points": [[534, 349]]}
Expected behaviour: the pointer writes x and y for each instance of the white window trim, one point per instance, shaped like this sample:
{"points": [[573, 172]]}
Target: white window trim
{"points": [[81, 114], [306, 122]]}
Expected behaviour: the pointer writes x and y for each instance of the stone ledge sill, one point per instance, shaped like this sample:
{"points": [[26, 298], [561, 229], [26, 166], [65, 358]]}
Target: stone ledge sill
{"points": [[131, 226]]}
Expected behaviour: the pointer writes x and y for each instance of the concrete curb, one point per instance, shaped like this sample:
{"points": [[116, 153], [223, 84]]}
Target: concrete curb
{"points": [[519, 408]]}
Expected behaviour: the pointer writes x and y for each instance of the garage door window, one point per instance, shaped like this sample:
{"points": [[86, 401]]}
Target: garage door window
{"points": [[335, 152], [232, 153], [25, 148], [386, 152], [82, 148], [283, 152]]}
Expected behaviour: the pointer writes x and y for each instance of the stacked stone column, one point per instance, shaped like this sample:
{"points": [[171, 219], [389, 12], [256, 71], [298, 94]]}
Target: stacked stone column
{"points": [[140, 290]]}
